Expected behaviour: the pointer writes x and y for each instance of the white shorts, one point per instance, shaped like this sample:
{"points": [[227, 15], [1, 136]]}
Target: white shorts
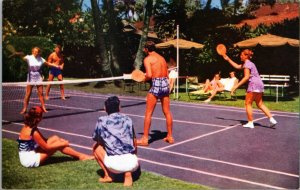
{"points": [[258, 91], [29, 159], [121, 163]]}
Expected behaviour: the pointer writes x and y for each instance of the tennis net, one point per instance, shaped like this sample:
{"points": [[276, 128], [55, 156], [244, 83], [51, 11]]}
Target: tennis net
{"points": [[83, 93]]}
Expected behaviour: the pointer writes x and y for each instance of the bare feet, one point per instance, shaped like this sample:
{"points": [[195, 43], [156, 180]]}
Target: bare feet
{"points": [[86, 157], [44, 109], [142, 141], [127, 179], [23, 111], [46, 97], [63, 98], [169, 140], [105, 179]]}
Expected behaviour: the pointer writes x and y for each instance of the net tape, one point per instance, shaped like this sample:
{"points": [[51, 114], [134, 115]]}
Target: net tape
{"points": [[124, 77]]}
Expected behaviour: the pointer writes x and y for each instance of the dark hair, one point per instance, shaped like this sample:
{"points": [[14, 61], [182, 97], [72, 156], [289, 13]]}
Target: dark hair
{"points": [[34, 114], [112, 105], [150, 45]]}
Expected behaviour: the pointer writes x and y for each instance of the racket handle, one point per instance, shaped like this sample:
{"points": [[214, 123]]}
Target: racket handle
{"points": [[127, 76]]}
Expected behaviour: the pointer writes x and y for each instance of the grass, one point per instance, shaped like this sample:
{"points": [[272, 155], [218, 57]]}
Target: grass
{"points": [[288, 103], [62, 172]]}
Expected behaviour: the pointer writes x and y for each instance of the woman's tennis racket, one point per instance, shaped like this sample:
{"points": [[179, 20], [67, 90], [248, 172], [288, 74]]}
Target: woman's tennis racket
{"points": [[11, 49], [136, 75], [221, 49]]}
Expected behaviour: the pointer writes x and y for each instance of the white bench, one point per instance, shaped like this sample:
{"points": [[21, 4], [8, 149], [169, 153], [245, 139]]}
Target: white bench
{"points": [[276, 81]]}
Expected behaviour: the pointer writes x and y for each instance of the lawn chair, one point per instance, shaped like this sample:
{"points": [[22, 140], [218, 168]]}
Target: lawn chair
{"points": [[199, 94], [228, 85], [192, 84]]}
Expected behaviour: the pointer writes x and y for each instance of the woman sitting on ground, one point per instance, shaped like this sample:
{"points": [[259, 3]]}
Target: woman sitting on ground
{"points": [[34, 148]]}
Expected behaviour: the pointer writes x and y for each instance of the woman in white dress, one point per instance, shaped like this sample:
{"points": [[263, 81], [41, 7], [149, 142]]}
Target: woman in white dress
{"points": [[35, 63]]}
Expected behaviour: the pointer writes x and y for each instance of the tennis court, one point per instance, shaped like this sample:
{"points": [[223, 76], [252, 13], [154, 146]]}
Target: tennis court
{"points": [[211, 147]]}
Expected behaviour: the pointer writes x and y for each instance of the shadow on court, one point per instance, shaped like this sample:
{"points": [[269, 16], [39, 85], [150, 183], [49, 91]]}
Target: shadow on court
{"points": [[155, 135]]}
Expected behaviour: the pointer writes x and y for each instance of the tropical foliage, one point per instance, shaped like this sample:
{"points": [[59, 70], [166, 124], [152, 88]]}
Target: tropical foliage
{"points": [[96, 45]]}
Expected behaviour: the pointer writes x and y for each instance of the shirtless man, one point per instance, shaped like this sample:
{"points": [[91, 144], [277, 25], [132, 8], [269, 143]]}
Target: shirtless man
{"points": [[157, 71], [56, 58]]}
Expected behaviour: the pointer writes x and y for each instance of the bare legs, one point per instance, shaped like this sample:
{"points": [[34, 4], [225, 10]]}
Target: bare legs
{"points": [[62, 92], [65, 150], [165, 103], [213, 94], [27, 97], [151, 103], [207, 86], [99, 154], [257, 97]]}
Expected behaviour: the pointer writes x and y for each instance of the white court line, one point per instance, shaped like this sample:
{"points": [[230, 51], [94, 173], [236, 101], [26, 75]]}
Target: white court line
{"points": [[178, 103], [182, 104], [211, 174], [222, 162], [205, 135], [166, 151], [134, 115], [232, 109], [179, 121], [48, 129], [189, 105], [183, 168]]}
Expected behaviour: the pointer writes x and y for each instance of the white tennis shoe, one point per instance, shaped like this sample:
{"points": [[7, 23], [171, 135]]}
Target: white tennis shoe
{"points": [[249, 125], [273, 122]]}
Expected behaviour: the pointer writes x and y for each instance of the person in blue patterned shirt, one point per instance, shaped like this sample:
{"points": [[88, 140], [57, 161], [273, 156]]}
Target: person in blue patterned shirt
{"points": [[115, 148]]}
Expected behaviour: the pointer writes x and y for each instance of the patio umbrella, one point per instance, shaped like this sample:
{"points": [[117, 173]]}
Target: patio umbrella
{"points": [[182, 44], [267, 40], [179, 44]]}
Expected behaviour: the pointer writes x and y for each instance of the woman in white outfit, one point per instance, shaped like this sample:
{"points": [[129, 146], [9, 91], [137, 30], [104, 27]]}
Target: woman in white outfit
{"points": [[35, 63]]}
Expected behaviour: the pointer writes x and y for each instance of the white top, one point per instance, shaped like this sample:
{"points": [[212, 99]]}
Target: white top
{"points": [[173, 74], [228, 83], [34, 68]]}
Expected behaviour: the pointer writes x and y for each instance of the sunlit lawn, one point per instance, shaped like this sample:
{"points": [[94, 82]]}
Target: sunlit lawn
{"points": [[62, 172]]}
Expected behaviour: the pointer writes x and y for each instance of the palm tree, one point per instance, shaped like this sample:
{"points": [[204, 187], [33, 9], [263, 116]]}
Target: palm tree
{"points": [[99, 41], [148, 7]]}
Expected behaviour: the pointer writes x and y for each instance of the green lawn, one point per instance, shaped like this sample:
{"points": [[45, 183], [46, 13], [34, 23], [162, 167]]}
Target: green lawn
{"points": [[62, 172]]}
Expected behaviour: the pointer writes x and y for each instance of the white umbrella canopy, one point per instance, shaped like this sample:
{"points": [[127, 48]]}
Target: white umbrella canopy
{"points": [[267, 40], [182, 44], [179, 44]]}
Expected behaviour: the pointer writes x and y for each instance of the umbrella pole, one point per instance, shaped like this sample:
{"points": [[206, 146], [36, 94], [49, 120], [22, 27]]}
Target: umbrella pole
{"points": [[177, 61]]}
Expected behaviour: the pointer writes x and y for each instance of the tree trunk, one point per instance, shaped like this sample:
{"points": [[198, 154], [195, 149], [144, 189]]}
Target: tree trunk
{"points": [[112, 38], [102, 54], [138, 62], [208, 5]]}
